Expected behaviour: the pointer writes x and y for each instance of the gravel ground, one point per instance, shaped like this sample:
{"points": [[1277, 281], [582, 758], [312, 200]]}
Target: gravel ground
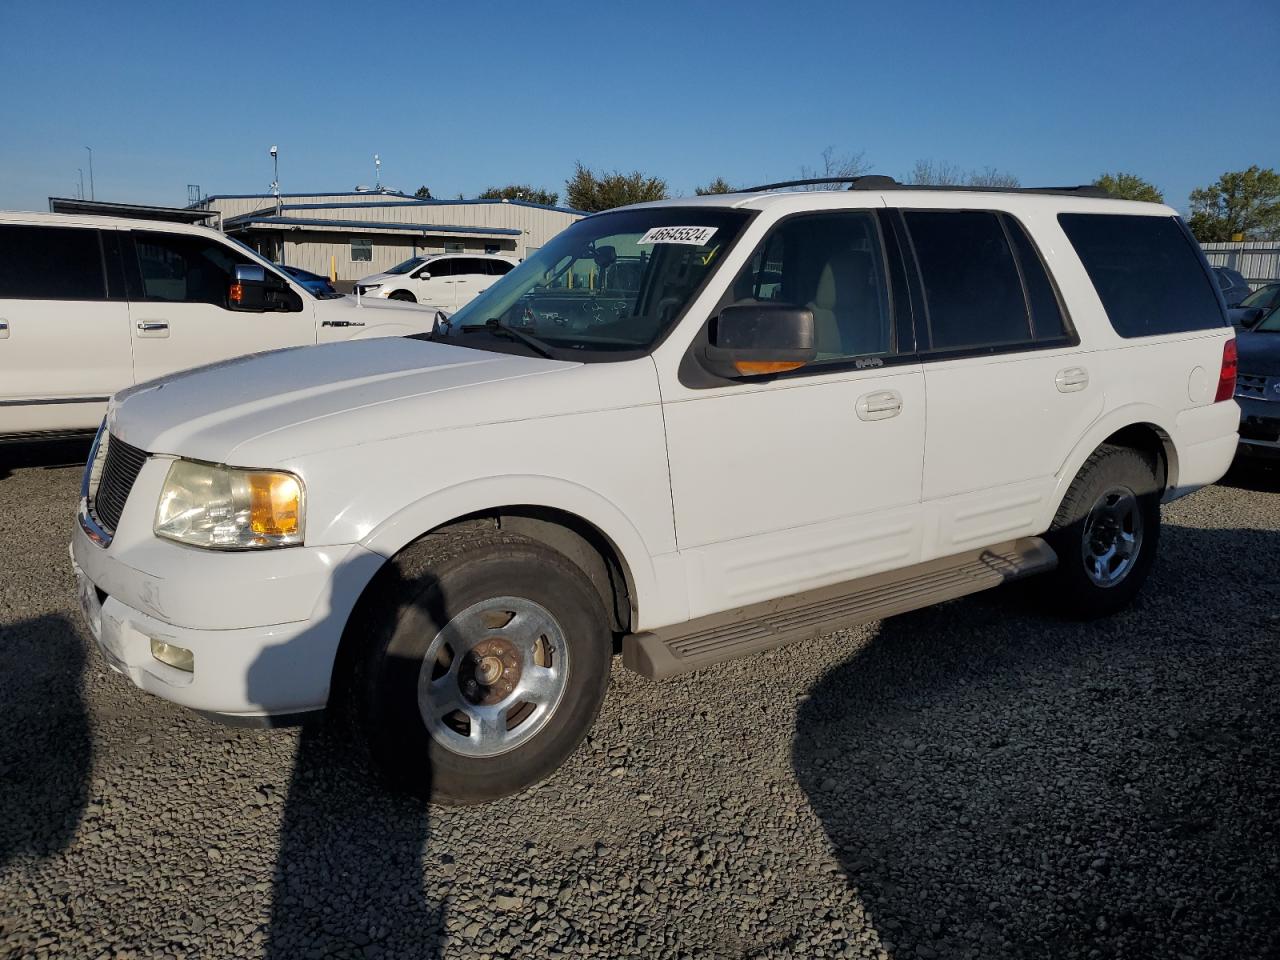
{"points": [[970, 781]]}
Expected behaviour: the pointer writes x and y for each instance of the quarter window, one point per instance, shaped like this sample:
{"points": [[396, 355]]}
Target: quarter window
{"points": [[973, 294], [183, 268], [833, 265], [361, 251], [1149, 276], [50, 263], [1047, 322]]}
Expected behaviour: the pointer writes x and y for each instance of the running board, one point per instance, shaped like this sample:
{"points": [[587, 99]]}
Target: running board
{"points": [[683, 647]]}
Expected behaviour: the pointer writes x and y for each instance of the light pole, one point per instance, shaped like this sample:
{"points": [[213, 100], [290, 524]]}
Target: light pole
{"points": [[92, 194], [80, 170], [275, 190]]}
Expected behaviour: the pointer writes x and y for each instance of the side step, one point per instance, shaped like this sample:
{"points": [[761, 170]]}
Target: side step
{"points": [[683, 647]]}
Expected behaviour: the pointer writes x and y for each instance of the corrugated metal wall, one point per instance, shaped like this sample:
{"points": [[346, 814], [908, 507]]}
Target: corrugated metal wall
{"points": [[311, 251], [1257, 260]]}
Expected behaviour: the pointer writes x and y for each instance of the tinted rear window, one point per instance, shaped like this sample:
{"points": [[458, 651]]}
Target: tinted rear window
{"points": [[1149, 277], [50, 263], [971, 282]]}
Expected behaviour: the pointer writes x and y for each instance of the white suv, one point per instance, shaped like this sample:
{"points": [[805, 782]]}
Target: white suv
{"points": [[447, 281], [699, 428], [91, 305]]}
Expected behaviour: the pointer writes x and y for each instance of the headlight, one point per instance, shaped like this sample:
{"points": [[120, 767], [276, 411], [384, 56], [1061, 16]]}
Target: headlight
{"points": [[222, 508]]}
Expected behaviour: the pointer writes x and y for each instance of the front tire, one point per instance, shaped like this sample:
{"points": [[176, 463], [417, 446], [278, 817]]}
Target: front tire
{"points": [[404, 296], [1105, 534], [484, 664]]}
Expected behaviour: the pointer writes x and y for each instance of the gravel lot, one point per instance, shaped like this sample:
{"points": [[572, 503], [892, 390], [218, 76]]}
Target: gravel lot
{"points": [[970, 781]]}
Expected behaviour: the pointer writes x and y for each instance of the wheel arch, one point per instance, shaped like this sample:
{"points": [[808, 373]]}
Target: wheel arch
{"points": [[1139, 427]]}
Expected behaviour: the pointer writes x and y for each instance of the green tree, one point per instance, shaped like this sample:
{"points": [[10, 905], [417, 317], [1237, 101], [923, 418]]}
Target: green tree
{"points": [[521, 191], [1129, 186], [1246, 202], [718, 185], [422, 193], [592, 192]]}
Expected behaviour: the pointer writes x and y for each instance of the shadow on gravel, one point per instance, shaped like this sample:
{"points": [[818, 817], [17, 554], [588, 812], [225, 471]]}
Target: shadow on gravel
{"points": [[1258, 475], [348, 881], [44, 454], [45, 750], [997, 783]]}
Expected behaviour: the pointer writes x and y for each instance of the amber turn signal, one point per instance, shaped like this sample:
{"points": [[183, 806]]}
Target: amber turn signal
{"points": [[756, 368]]}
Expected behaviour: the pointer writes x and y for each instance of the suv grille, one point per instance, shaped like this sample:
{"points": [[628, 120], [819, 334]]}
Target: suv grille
{"points": [[1248, 385], [119, 471]]}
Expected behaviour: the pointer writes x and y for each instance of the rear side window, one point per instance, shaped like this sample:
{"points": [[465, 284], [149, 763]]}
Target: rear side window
{"points": [[972, 290], [1149, 277], [50, 263]]}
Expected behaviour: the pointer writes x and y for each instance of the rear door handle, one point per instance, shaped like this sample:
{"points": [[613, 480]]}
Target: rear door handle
{"points": [[4, 329], [1072, 379], [880, 405], [153, 328]]}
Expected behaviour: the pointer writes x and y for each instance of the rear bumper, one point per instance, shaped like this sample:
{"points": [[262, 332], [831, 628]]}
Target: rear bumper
{"points": [[1207, 444]]}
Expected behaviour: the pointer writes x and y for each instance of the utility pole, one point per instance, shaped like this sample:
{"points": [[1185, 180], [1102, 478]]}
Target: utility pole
{"points": [[92, 194], [377, 172]]}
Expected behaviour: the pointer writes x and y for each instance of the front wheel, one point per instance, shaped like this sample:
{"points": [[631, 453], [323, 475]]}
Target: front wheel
{"points": [[484, 665], [404, 296], [1105, 534]]}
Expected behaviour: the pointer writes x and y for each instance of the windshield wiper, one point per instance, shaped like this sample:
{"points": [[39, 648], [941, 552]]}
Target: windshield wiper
{"points": [[494, 325]]}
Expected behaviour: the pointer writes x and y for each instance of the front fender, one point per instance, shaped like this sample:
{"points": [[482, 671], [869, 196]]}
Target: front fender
{"points": [[494, 493]]}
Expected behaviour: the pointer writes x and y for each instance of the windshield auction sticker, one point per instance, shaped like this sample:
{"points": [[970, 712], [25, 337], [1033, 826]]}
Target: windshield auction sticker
{"points": [[694, 236]]}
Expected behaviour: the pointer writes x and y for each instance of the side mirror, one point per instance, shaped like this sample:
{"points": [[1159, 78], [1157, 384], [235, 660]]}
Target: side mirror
{"points": [[759, 339], [255, 290], [1246, 318]]}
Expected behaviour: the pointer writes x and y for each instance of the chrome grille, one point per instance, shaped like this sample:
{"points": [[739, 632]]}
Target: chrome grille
{"points": [[1248, 385], [119, 471]]}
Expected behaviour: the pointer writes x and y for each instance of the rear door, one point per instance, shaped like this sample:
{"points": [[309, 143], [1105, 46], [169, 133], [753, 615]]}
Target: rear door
{"points": [[64, 336], [1008, 388], [178, 314]]}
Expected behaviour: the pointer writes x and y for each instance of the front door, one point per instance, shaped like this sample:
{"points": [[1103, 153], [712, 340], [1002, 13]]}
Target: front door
{"points": [[178, 315], [811, 478]]}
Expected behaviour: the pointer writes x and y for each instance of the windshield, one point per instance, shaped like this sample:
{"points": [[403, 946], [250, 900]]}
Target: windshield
{"points": [[613, 282], [1270, 323], [1263, 297], [407, 265]]}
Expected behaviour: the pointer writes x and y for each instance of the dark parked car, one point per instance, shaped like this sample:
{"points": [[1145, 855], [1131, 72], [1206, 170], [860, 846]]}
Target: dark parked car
{"points": [[1258, 387], [317, 284], [1234, 287], [1255, 306]]}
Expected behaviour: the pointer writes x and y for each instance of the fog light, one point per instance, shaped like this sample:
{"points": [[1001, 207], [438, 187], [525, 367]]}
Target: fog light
{"points": [[179, 658]]}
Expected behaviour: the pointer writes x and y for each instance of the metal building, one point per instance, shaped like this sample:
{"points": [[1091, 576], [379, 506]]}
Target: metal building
{"points": [[362, 232]]}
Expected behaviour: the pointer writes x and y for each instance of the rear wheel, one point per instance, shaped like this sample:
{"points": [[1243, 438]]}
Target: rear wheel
{"points": [[1105, 534], [485, 663], [403, 295]]}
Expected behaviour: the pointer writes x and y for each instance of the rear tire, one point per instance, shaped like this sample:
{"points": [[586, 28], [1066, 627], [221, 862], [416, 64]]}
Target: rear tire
{"points": [[1105, 534], [484, 663], [404, 296]]}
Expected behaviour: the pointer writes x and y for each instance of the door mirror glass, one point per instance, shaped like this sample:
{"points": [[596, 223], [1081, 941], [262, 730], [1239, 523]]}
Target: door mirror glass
{"points": [[755, 339]]}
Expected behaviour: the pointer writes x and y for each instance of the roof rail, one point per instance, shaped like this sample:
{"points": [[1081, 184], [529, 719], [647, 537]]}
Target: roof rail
{"points": [[878, 182]]}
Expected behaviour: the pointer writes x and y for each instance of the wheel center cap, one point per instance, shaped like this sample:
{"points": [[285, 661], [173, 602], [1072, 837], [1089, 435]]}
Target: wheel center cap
{"points": [[488, 670]]}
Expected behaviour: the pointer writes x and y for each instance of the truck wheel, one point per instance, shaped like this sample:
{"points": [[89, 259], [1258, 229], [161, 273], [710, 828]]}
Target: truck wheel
{"points": [[1105, 534], [485, 662], [403, 295]]}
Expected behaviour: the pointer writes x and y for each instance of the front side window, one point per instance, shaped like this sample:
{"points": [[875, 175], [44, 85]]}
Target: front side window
{"points": [[973, 294], [50, 263], [499, 268], [437, 268], [361, 251], [611, 282], [833, 265], [1148, 275], [184, 268]]}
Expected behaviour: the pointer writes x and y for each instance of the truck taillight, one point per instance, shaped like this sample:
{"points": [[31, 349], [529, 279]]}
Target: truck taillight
{"points": [[1227, 376]]}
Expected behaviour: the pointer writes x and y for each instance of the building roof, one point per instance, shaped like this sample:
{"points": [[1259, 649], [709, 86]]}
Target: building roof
{"points": [[266, 222], [134, 211]]}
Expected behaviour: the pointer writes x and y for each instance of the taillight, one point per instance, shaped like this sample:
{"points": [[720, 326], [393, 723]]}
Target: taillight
{"points": [[1227, 376]]}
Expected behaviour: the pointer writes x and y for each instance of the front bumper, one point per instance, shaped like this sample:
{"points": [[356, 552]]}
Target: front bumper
{"points": [[263, 628], [1259, 427]]}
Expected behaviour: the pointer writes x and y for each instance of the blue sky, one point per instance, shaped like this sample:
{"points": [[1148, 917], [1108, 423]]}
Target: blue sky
{"points": [[463, 95]]}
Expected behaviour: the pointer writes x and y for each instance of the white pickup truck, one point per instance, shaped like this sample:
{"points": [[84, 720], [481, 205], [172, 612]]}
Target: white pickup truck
{"points": [[693, 430], [91, 305]]}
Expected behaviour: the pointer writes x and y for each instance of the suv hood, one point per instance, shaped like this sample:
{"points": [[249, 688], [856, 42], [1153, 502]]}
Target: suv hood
{"points": [[1259, 353], [268, 407]]}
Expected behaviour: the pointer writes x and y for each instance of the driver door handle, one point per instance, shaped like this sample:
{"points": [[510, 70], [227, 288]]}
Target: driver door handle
{"points": [[153, 328], [880, 405]]}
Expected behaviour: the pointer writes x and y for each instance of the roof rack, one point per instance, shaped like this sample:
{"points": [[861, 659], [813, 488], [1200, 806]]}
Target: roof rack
{"points": [[880, 182]]}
